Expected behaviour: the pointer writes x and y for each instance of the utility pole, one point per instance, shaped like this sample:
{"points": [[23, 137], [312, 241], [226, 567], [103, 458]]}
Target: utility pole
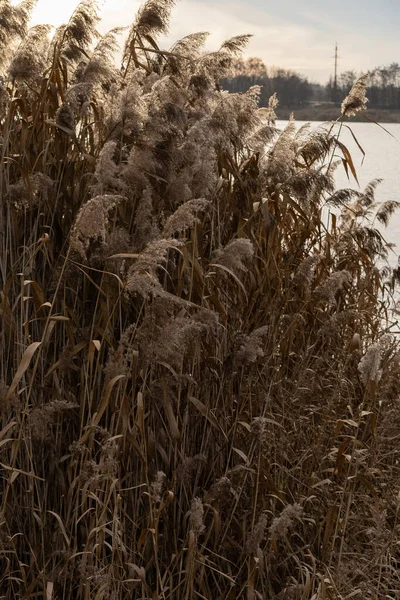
{"points": [[335, 87]]}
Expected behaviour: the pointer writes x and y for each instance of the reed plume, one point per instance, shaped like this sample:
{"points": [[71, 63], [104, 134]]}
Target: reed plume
{"points": [[356, 100]]}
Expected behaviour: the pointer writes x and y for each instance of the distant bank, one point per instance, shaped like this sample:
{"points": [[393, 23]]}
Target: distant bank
{"points": [[315, 113]]}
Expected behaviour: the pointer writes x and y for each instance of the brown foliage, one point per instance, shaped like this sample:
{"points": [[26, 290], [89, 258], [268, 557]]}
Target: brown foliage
{"points": [[197, 399]]}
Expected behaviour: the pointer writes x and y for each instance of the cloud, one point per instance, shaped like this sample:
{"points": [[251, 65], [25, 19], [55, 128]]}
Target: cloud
{"points": [[277, 41]]}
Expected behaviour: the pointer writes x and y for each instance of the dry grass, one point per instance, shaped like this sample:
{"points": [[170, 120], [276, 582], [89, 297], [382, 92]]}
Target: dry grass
{"points": [[199, 398]]}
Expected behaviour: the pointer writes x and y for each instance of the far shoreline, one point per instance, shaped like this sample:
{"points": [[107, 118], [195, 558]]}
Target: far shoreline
{"points": [[332, 114]]}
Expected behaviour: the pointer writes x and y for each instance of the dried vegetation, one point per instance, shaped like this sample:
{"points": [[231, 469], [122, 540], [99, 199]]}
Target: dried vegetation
{"points": [[198, 388]]}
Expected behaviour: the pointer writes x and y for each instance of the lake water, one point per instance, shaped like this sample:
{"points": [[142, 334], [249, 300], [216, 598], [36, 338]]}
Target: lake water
{"points": [[381, 161]]}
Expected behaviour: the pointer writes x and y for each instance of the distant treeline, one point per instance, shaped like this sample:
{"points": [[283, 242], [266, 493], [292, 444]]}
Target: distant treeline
{"points": [[294, 90]]}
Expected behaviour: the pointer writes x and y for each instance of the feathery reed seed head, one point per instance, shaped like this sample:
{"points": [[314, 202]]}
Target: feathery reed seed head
{"points": [[91, 224], [285, 522], [236, 255], [257, 535], [356, 101], [197, 516]]}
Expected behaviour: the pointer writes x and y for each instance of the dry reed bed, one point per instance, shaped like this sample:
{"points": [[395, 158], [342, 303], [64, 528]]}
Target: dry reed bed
{"points": [[198, 395]]}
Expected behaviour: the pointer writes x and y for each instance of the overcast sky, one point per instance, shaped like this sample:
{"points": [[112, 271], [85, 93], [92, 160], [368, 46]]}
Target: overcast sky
{"points": [[296, 34]]}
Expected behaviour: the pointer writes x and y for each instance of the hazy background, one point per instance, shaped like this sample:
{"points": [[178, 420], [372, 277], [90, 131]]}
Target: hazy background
{"points": [[294, 35], [291, 34]]}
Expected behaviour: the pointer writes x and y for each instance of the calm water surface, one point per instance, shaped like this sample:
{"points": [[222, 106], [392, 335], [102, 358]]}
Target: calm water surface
{"points": [[382, 160]]}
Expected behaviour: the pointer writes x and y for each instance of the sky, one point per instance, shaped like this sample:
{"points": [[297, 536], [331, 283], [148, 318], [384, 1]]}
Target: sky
{"points": [[294, 34]]}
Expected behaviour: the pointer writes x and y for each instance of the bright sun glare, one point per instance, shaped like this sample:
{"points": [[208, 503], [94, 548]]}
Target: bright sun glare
{"points": [[113, 12]]}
